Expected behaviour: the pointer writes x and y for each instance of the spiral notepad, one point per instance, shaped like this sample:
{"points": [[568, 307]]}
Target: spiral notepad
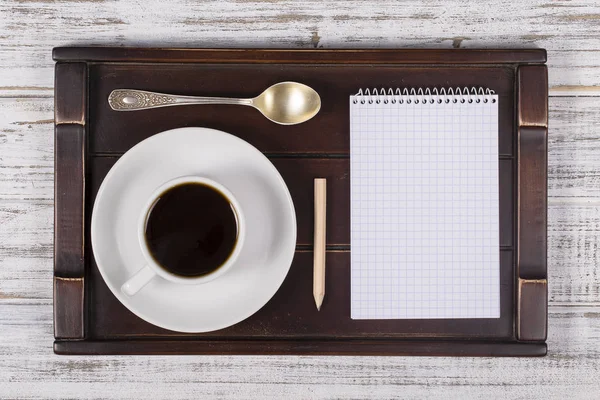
{"points": [[424, 204]]}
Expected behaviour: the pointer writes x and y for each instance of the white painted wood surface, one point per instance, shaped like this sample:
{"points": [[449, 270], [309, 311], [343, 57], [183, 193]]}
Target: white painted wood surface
{"points": [[569, 30]]}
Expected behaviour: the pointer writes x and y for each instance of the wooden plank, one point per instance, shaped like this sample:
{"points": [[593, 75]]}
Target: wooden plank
{"points": [[532, 203], [314, 347], [569, 30], [291, 313], [69, 204], [26, 250], [569, 370], [26, 145], [299, 174], [328, 132], [575, 91], [68, 305], [303, 56], [69, 242], [573, 251], [69, 192], [533, 95], [532, 310], [70, 93], [571, 72]]}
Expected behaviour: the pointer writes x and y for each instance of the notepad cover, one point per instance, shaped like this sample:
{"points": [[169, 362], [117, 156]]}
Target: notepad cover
{"points": [[424, 205]]}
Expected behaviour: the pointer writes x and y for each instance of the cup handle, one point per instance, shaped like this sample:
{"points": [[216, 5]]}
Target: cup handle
{"points": [[138, 281]]}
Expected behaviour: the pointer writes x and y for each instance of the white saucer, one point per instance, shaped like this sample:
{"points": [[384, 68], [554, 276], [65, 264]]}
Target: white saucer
{"points": [[270, 225]]}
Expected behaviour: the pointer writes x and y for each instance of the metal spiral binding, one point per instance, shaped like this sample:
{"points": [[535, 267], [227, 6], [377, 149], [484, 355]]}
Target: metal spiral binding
{"points": [[420, 96]]}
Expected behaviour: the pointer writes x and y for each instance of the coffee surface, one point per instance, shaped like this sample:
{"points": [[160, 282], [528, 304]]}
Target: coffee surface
{"points": [[191, 230]]}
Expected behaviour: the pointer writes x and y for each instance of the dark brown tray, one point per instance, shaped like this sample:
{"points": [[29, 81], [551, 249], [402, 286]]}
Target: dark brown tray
{"points": [[89, 138]]}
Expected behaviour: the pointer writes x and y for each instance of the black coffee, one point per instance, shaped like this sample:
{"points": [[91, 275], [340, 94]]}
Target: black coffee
{"points": [[191, 230]]}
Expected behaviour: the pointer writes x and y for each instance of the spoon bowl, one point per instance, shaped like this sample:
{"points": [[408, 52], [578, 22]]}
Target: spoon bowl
{"points": [[288, 103]]}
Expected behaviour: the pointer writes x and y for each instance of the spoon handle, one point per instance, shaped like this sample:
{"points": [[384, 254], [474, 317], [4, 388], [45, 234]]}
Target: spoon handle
{"points": [[132, 100]]}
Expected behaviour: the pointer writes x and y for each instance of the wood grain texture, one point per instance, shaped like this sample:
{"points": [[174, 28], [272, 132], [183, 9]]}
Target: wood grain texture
{"points": [[70, 115], [70, 93], [321, 347], [532, 310], [113, 132], [569, 371], [569, 30], [69, 203], [532, 202], [27, 148], [298, 56], [299, 318], [532, 81], [68, 306]]}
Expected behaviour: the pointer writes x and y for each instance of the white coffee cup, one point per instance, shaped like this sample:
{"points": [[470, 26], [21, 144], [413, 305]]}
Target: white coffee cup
{"points": [[152, 269]]}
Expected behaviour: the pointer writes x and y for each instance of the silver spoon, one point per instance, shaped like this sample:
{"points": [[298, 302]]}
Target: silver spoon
{"points": [[285, 103]]}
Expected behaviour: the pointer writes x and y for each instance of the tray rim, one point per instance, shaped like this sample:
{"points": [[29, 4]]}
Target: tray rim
{"points": [[346, 347], [301, 56]]}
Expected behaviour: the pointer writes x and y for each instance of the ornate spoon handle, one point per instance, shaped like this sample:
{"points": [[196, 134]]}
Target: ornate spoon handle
{"points": [[132, 100]]}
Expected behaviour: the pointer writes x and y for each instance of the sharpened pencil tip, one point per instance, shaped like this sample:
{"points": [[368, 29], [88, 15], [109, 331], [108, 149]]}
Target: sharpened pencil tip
{"points": [[319, 301]]}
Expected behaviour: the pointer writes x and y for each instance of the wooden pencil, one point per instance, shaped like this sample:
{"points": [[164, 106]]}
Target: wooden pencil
{"points": [[319, 245]]}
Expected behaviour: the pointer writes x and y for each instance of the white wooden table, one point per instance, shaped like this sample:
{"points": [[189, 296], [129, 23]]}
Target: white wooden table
{"points": [[569, 30]]}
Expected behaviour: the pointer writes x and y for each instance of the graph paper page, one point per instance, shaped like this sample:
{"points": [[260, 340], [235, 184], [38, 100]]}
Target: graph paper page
{"points": [[424, 209]]}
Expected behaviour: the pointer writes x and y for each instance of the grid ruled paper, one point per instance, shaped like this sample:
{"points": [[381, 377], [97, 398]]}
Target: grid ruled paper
{"points": [[424, 209]]}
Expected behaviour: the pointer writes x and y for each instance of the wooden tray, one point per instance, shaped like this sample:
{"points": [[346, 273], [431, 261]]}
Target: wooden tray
{"points": [[90, 137]]}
